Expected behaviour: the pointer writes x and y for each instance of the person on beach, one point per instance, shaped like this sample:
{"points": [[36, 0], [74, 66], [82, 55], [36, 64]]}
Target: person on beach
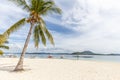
{"points": [[61, 57]]}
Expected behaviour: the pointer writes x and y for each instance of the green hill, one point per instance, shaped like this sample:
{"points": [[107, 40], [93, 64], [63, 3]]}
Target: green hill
{"points": [[84, 53]]}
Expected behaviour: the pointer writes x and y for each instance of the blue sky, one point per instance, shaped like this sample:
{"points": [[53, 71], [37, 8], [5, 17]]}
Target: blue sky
{"points": [[84, 25]]}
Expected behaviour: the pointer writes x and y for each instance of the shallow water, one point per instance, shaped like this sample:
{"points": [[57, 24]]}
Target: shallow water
{"points": [[74, 57]]}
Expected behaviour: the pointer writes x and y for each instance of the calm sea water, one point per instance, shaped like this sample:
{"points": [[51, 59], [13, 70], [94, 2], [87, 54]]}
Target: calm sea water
{"points": [[74, 57]]}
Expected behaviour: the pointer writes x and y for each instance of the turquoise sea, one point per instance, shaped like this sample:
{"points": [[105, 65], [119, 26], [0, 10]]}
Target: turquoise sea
{"points": [[113, 58]]}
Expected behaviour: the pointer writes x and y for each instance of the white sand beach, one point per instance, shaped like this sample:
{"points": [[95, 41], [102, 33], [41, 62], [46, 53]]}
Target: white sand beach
{"points": [[59, 69]]}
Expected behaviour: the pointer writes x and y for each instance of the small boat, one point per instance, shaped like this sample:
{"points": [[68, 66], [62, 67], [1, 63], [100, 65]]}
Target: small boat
{"points": [[50, 56]]}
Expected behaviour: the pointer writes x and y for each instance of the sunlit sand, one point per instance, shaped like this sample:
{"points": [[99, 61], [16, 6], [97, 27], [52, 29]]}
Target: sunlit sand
{"points": [[59, 69]]}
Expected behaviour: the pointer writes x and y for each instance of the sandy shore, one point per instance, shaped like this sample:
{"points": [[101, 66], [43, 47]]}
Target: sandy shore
{"points": [[57, 69]]}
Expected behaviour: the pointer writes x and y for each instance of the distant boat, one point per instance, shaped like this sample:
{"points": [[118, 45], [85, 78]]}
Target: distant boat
{"points": [[50, 56]]}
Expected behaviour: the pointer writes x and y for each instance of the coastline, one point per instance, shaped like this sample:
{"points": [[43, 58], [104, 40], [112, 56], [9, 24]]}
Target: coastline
{"points": [[59, 69]]}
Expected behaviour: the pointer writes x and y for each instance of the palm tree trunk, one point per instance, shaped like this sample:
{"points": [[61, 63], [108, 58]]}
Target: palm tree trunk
{"points": [[19, 66]]}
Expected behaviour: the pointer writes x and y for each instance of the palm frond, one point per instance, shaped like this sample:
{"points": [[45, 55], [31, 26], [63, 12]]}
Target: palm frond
{"points": [[42, 36], [15, 27], [36, 5], [55, 10], [50, 7], [1, 52], [39, 36], [3, 46], [36, 36], [22, 3], [48, 34], [33, 5], [3, 39]]}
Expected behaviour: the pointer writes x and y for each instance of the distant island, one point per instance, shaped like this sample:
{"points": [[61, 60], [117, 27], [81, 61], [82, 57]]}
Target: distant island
{"points": [[91, 53], [84, 53], [72, 53]]}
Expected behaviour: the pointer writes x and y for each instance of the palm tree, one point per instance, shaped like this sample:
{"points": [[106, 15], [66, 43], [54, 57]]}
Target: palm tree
{"points": [[36, 9], [3, 40]]}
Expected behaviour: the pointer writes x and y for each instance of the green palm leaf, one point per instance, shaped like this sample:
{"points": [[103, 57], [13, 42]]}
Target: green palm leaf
{"points": [[55, 10], [36, 36], [35, 4], [48, 34], [15, 27], [41, 34], [49, 7], [3, 46], [1, 52], [22, 3], [2, 39]]}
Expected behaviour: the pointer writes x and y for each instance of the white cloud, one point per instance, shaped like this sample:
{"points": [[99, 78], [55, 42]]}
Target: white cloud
{"points": [[96, 25], [9, 13]]}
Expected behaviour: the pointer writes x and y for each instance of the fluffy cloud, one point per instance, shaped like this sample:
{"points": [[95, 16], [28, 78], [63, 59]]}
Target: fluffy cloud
{"points": [[96, 23]]}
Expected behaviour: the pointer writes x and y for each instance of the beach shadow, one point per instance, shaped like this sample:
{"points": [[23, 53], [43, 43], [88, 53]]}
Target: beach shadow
{"points": [[7, 67], [10, 68]]}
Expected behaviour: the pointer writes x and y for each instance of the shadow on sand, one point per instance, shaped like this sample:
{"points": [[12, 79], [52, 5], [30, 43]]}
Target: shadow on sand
{"points": [[10, 68], [6, 67]]}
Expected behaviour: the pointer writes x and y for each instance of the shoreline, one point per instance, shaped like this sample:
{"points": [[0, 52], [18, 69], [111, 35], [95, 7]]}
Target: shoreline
{"points": [[69, 57], [106, 61]]}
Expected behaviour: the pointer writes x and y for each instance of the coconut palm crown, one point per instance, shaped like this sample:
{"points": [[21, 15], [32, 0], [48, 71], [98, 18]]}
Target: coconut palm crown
{"points": [[36, 9]]}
